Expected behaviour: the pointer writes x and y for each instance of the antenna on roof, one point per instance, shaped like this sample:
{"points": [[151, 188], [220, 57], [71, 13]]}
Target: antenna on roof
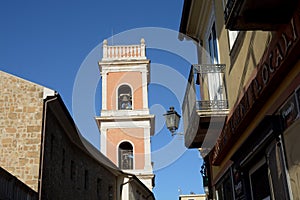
{"points": [[179, 190], [112, 36]]}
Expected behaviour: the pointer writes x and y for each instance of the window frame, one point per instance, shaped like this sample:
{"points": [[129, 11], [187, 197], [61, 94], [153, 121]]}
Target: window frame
{"points": [[257, 166], [221, 184], [131, 164]]}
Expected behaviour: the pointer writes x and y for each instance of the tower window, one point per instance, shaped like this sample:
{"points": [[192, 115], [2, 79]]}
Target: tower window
{"points": [[124, 98], [125, 155]]}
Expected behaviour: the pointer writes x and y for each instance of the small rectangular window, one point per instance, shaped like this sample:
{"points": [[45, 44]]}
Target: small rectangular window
{"points": [[99, 187], [213, 45], [51, 146], [86, 179], [73, 170], [63, 161], [110, 192]]}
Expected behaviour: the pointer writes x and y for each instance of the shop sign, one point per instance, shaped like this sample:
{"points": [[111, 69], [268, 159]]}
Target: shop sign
{"points": [[275, 59], [265, 74], [238, 185], [289, 111]]}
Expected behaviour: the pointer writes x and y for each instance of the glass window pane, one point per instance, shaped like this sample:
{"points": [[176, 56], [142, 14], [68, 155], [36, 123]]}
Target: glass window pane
{"points": [[259, 183]]}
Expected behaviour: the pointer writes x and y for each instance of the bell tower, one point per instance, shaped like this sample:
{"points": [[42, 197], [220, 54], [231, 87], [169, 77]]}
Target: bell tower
{"points": [[125, 123]]}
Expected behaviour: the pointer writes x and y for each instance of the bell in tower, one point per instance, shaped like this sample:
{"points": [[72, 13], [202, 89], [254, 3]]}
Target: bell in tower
{"points": [[125, 101]]}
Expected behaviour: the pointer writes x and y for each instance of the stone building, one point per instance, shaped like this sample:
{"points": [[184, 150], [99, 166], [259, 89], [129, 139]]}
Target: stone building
{"points": [[41, 146], [245, 121], [13, 188], [21, 117]]}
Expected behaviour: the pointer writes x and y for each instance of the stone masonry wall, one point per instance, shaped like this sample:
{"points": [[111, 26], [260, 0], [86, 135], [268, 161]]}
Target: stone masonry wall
{"points": [[69, 172], [21, 107]]}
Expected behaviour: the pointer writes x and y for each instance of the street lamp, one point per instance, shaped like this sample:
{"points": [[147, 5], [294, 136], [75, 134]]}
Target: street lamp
{"points": [[172, 120], [204, 178]]}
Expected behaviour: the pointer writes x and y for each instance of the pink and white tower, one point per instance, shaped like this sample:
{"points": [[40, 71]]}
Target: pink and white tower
{"points": [[125, 123]]}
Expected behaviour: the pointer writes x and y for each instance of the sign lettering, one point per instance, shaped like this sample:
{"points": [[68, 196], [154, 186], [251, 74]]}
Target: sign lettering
{"points": [[275, 58]]}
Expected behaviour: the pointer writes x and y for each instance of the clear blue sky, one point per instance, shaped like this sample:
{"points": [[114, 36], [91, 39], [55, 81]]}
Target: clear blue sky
{"points": [[57, 44]]}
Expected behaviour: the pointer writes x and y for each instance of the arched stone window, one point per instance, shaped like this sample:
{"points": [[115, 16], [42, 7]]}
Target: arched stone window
{"points": [[125, 155], [124, 98]]}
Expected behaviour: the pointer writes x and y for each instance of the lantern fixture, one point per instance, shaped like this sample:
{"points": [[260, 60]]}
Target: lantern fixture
{"points": [[172, 120], [205, 178]]}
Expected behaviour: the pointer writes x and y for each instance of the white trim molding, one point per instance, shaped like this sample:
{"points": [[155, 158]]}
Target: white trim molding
{"points": [[103, 140]]}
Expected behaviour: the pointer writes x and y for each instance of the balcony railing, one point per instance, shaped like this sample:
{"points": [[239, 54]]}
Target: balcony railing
{"points": [[124, 52], [210, 77], [212, 105], [208, 68], [211, 110], [258, 14]]}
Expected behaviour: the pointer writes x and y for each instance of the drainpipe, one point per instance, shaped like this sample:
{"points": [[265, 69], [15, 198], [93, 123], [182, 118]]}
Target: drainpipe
{"points": [[122, 184], [130, 180], [43, 143]]}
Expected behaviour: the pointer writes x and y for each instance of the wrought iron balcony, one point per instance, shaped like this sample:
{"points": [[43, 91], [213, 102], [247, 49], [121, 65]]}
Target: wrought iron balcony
{"points": [[207, 115], [208, 68], [258, 14], [212, 105]]}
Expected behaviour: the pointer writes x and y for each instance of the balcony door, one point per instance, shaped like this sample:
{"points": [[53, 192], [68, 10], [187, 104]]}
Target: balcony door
{"points": [[215, 82]]}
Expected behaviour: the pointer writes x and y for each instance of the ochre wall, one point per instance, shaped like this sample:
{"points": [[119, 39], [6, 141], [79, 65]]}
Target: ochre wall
{"points": [[115, 79], [134, 135], [247, 50]]}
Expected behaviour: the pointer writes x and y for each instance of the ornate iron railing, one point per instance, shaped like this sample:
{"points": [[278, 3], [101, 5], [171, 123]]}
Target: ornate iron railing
{"points": [[212, 105], [209, 68]]}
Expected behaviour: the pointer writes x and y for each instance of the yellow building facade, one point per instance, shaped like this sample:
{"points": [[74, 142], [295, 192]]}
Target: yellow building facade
{"points": [[246, 117]]}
